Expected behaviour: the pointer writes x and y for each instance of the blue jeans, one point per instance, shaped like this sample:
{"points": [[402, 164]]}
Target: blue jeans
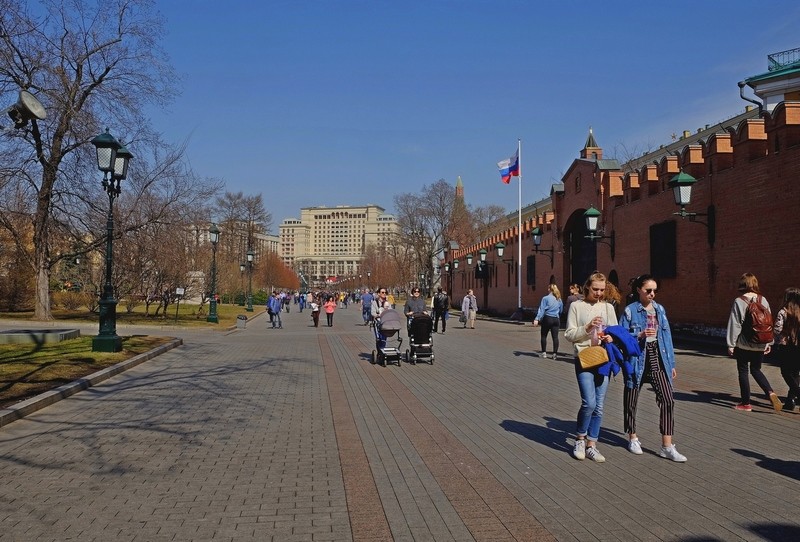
{"points": [[593, 392]]}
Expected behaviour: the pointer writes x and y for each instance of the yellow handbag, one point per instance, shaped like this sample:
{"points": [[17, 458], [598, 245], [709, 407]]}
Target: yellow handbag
{"points": [[592, 357]]}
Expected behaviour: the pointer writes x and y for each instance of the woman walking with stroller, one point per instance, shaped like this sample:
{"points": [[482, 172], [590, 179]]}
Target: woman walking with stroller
{"points": [[549, 315]]}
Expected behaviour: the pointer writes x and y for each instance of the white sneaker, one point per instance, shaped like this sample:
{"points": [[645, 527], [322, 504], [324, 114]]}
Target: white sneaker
{"points": [[594, 455], [543, 354], [579, 451], [635, 447], [555, 355], [672, 453]]}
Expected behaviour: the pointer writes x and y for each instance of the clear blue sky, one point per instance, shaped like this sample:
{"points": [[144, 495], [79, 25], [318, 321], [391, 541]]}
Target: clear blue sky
{"points": [[350, 102]]}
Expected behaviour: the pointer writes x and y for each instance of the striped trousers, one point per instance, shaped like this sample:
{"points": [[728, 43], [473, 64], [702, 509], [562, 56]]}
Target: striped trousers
{"points": [[654, 373]]}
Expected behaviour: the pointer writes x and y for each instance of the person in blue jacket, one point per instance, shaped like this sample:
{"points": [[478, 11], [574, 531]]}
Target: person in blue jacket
{"points": [[549, 315], [647, 322]]}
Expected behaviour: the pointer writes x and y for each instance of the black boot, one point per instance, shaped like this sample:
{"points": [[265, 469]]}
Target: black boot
{"points": [[789, 404]]}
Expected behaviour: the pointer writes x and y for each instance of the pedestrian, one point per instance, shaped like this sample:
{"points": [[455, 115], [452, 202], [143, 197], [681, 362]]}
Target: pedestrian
{"points": [[787, 335], [469, 309], [574, 295], [585, 323], [441, 309], [314, 312], [366, 307], [748, 354], [330, 307], [549, 315], [647, 322], [275, 305], [414, 305], [390, 299], [379, 304]]}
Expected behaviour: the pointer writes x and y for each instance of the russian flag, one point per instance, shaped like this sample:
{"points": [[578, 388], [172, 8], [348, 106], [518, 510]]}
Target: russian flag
{"points": [[509, 167]]}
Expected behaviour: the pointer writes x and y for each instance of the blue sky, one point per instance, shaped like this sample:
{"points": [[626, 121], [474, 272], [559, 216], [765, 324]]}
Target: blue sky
{"points": [[350, 102]]}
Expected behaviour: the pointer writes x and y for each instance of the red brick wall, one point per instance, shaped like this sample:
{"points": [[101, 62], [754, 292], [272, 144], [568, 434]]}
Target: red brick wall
{"points": [[756, 193]]}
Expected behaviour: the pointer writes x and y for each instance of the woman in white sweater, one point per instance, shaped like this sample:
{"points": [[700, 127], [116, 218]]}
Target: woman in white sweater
{"points": [[585, 324]]}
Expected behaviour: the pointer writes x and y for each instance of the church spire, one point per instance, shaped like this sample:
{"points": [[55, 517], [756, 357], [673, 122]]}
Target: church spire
{"points": [[591, 150]]}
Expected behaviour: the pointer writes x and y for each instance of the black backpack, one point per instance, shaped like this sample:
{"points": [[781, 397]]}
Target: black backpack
{"points": [[757, 323], [441, 302]]}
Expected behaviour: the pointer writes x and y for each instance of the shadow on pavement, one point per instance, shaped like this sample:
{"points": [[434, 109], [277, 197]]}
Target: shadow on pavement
{"points": [[790, 469]]}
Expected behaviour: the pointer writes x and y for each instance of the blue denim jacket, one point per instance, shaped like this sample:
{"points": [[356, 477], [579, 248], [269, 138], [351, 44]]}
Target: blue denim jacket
{"points": [[636, 315]]}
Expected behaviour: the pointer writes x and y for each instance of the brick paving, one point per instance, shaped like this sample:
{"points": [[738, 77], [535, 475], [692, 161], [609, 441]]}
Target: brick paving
{"points": [[291, 434]]}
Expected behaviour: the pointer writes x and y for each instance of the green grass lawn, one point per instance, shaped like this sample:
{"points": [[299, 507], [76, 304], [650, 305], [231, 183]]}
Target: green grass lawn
{"points": [[29, 369], [187, 315]]}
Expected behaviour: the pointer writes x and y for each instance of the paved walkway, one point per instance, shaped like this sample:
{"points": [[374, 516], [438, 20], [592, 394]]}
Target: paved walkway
{"points": [[292, 434]]}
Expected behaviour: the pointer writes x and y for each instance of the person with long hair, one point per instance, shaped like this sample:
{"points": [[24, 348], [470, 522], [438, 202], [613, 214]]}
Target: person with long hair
{"points": [[585, 324], [549, 315], [787, 335], [647, 322], [748, 354]]}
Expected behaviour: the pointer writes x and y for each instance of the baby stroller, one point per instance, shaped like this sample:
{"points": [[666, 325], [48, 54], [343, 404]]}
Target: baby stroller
{"points": [[389, 325], [420, 338]]}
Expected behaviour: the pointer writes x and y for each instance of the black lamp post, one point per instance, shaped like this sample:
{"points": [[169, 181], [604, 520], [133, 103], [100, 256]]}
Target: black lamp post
{"points": [[241, 282], [112, 160], [250, 257], [592, 217], [681, 185], [213, 235], [537, 240], [369, 279]]}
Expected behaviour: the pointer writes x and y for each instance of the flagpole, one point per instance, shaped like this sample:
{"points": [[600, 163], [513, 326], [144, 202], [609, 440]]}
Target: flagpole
{"points": [[519, 227]]}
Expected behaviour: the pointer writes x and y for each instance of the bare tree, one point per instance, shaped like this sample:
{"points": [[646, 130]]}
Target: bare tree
{"points": [[487, 220], [91, 65], [423, 221]]}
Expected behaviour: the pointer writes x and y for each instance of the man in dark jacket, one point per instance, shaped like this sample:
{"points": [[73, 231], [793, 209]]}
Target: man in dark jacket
{"points": [[441, 306]]}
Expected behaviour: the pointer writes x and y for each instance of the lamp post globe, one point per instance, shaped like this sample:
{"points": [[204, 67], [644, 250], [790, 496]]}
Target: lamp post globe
{"points": [[213, 236], [112, 160]]}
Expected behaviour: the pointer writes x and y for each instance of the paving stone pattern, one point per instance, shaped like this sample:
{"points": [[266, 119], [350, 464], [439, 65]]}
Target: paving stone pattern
{"points": [[292, 434]]}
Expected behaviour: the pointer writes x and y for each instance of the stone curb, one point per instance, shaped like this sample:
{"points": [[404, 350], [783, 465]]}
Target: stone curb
{"points": [[29, 406]]}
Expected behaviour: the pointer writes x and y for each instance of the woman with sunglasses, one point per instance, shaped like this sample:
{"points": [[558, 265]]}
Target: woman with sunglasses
{"points": [[585, 323], [647, 321]]}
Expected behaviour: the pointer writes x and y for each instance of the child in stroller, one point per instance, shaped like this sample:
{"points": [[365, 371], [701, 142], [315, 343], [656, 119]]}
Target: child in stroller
{"points": [[387, 325], [420, 338]]}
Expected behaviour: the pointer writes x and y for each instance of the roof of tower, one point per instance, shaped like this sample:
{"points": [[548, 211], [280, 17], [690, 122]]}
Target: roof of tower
{"points": [[590, 141], [459, 184]]}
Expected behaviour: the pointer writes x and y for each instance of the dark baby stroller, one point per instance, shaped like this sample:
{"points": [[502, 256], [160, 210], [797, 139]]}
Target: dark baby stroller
{"points": [[420, 339], [388, 325]]}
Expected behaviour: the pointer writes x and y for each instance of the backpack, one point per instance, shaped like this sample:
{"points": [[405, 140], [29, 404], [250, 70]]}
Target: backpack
{"points": [[441, 302], [757, 323]]}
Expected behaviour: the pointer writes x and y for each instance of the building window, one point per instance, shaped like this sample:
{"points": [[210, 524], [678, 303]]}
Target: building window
{"points": [[664, 250], [530, 278]]}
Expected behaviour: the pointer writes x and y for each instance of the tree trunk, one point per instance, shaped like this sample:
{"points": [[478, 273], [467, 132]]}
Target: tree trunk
{"points": [[42, 308]]}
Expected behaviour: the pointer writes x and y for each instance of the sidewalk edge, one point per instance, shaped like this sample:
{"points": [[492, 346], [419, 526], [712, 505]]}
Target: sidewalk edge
{"points": [[38, 402]]}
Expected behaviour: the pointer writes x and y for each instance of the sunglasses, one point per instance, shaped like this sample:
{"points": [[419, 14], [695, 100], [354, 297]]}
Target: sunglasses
{"points": [[382, 292], [651, 290]]}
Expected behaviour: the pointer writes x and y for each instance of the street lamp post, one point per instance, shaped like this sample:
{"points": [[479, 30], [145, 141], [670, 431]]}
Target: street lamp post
{"points": [[213, 234], [112, 160], [369, 276], [241, 282], [250, 257]]}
